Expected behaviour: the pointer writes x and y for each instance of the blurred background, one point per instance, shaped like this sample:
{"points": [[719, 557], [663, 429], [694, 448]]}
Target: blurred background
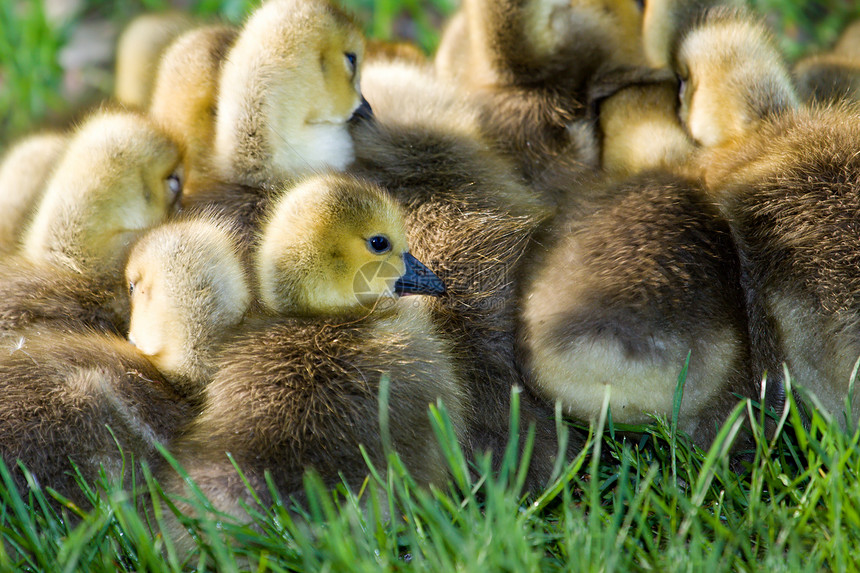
{"points": [[56, 56]]}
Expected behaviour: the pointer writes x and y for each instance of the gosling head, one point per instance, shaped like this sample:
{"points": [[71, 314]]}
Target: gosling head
{"points": [[137, 53], [848, 44], [637, 115], [558, 41], [334, 245], [119, 176], [184, 99], [187, 285], [287, 90], [733, 76]]}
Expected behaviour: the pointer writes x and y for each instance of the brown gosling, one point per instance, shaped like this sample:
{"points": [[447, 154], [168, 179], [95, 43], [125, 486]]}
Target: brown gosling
{"points": [[300, 390], [471, 220], [788, 189], [622, 287], [118, 177], [62, 387]]}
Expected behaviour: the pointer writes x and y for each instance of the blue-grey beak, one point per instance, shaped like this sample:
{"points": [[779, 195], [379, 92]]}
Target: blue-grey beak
{"points": [[363, 111], [418, 279]]}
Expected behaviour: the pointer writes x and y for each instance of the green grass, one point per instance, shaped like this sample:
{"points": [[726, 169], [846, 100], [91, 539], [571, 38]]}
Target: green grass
{"points": [[806, 26], [647, 503], [30, 73]]}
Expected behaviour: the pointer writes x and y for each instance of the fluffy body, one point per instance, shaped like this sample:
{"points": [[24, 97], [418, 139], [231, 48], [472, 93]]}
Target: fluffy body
{"points": [[49, 294], [294, 394], [617, 293], [470, 221], [789, 191], [60, 394]]}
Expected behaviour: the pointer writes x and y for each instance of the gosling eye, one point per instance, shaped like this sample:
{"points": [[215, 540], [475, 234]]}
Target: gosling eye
{"points": [[131, 288], [378, 244], [174, 184], [641, 5], [351, 62]]}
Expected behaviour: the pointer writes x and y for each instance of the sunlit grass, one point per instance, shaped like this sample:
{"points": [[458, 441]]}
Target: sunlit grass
{"points": [[635, 503]]}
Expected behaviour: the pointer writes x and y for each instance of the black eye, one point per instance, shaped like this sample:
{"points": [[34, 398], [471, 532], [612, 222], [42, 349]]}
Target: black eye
{"points": [[379, 244], [351, 60], [130, 289]]}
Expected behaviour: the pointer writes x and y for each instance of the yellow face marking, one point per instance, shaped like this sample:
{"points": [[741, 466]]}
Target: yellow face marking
{"points": [[187, 285], [314, 256], [287, 90], [112, 184]]}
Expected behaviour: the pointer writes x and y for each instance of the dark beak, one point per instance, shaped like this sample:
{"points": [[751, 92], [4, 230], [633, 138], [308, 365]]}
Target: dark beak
{"points": [[418, 279], [364, 111]]}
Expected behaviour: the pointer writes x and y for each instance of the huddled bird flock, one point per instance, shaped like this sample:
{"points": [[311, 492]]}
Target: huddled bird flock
{"points": [[571, 198]]}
